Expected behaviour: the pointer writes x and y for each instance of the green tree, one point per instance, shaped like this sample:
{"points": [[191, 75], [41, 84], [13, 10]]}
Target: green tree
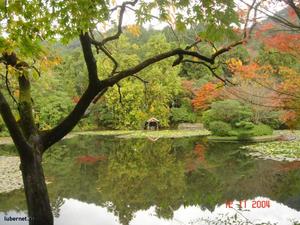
{"points": [[149, 95]]}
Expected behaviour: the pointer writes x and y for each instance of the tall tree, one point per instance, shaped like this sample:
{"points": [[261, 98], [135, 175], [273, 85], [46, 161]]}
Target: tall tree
{"points": [[25, 24]]}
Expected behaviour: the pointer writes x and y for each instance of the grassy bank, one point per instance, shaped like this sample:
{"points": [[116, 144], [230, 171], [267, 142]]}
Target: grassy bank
{"points": [[264, 138], [147, 134], [131, 134]]}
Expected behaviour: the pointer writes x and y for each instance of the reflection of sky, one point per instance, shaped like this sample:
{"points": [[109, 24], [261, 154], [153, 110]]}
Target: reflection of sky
{"points": [[79, 213]]}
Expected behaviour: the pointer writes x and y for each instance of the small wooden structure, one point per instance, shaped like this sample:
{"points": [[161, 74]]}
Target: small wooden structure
{"points": [[152, 124]]}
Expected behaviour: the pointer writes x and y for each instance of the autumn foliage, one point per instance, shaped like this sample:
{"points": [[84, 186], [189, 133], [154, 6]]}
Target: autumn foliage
{"points": [[208, 93]]}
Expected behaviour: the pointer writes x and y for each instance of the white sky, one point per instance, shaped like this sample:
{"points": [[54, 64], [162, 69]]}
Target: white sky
{"points": [[129, 17]]}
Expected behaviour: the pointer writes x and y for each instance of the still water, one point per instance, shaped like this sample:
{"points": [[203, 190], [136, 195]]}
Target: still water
{"points": [[188, 181]]}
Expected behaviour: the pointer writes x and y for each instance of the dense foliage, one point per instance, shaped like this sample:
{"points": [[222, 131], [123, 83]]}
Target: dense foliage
{"points": [[231, 118]]}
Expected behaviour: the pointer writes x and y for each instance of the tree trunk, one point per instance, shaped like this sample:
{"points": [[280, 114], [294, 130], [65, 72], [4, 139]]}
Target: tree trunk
{"points": [[39, 209]]}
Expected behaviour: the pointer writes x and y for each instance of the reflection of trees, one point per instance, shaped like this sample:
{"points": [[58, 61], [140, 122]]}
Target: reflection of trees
{"points": [[291, 195], [59, 201], [140, 175]]}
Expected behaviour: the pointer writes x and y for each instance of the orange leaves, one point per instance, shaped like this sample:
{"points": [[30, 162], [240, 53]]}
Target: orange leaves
{"points": [[251, 71], [206, 95], [247, 71], [76, 99], [290, 80], [288, 116], [266, 27], [284, 42], [263, 29]]}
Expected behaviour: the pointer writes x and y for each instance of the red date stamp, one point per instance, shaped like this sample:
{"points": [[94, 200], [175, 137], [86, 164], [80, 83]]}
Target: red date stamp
{"points": [[258, 204]]}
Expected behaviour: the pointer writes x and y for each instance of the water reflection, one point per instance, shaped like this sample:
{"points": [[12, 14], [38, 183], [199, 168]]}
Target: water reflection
{"points": [[80, 213], [169, 181]]}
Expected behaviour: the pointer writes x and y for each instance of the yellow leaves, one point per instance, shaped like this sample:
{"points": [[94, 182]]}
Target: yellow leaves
{"points": [[134, 29], [48, 62], [151, 109], [12, 70], [17, 93], [287, 72], [234, 64], [8, 45]]}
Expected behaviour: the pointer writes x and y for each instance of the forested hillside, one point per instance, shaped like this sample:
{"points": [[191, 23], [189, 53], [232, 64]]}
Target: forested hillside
{"points": [[185, 93]]}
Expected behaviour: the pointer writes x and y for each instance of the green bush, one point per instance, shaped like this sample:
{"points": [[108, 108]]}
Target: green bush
{"points": [[182, 114], [245, 125], [220, 128], [256, 130], [261, 129], [231, 118], [231, 111], [272, 120], [228, 111]]}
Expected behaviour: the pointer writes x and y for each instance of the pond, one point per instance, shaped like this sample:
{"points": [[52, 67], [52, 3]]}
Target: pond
{"points": [[96, 180]]}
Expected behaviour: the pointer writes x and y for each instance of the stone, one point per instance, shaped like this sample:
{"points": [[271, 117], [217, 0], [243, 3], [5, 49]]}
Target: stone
{"points": [[10, 174], [190, 126]]}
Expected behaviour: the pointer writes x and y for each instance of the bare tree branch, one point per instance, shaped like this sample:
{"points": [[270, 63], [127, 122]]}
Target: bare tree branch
{"points": [[141, 79], [8, 88], [292, 4], [248, 17], [255, 103], [211, 69], [119, 28], [275, 17], [133, 70]]}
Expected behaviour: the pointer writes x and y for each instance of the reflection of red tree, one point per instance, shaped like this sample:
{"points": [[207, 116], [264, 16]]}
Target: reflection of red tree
{"points": [[290, 166], [193, 162], [86, 159], [200, 152]]}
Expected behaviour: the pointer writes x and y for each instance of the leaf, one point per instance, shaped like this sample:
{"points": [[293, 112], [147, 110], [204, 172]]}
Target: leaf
{"points": [[134, 29]]}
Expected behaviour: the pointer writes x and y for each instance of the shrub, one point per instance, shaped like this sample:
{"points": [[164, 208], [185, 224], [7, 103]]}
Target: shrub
{"points": [[261, 129], [182, 114], [231, 118], [228, 111], [272, 120], [245, 125], [208, 117], [220, 128]]}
